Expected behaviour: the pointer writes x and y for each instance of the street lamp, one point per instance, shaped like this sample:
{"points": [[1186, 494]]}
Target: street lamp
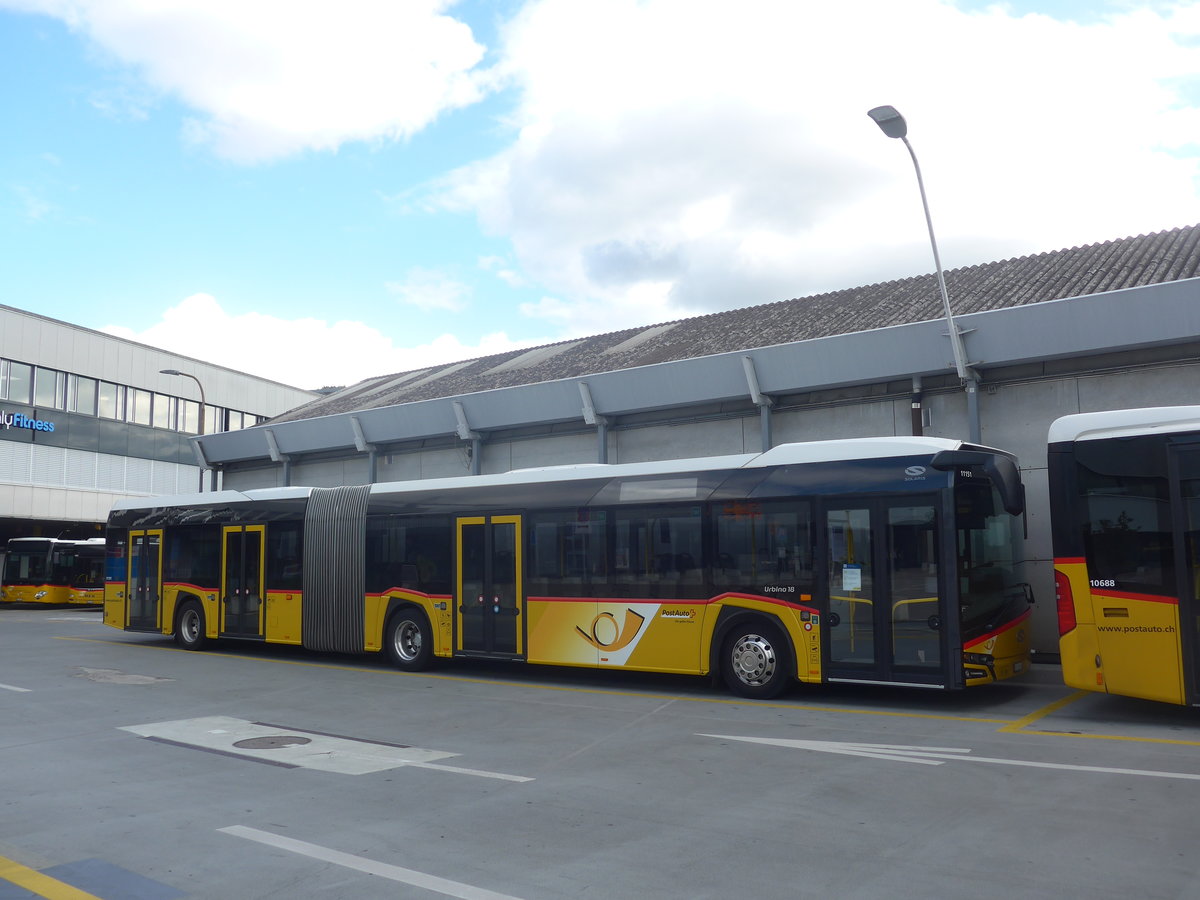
{"points": [[892, 124], [202, 405]]}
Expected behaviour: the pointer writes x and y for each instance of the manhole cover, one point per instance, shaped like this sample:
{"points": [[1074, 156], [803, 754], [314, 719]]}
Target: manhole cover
{"points": [[274, 742]]}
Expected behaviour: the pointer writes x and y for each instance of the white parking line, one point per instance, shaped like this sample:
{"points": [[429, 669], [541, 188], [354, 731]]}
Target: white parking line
{"points": [[936, 756], [10, 687], [369, 866]]}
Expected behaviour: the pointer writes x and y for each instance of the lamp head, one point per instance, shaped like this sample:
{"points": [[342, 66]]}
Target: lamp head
{"points": [[889, 121], [169, 372]]}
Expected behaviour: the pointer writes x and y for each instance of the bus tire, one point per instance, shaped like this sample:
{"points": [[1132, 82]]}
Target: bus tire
{"points": [[189, 626], [408, 639], [755, 660]]}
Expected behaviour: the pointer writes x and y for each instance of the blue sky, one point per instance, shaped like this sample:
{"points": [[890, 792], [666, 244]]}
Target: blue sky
{"points": [[318, 192]]}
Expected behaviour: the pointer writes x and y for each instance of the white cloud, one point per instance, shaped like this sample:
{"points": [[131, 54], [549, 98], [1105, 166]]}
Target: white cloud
{"points": [[429, 290], [271, 78], [672, 157], [306, 353], [677, 156], [503, 270], [33, 205]]}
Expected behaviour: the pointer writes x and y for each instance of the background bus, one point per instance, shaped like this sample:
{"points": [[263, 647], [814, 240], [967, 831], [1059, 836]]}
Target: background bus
{"points": [[1125, 513], [50, 570], [879, 560]]}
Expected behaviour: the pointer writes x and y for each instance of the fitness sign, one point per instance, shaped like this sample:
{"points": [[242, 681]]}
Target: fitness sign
{"points": [[20, 420]]}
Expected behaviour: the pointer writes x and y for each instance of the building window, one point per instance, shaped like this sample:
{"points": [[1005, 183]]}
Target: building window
{"points": [[49, 389], [164, 409], [19, 383], [112, 400], [81, 395], [139, 407], [189, 416]]}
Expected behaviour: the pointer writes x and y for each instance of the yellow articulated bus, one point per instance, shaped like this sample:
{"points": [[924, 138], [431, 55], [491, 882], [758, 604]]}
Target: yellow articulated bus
{"points": [[878, 560], [1125, 512], [53, 571]]}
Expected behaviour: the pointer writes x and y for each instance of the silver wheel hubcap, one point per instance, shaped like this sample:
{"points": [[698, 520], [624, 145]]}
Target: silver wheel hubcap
{"points": [[753, 659], [190, 626], [407, 640]]}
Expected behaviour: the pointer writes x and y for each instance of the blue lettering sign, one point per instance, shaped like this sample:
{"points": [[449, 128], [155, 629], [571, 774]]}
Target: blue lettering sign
{"points": [[20, 420]]}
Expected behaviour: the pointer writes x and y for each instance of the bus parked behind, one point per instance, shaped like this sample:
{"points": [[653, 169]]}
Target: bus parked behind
{"points": [[53, 571], [1125, 514]]}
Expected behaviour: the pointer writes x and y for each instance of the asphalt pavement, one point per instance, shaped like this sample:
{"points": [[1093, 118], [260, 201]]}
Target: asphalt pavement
{"points": [[132, 770]]}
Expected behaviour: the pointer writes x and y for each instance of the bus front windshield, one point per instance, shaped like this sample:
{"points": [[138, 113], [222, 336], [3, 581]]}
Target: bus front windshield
{"points": [[26, 567], [990, 589]]}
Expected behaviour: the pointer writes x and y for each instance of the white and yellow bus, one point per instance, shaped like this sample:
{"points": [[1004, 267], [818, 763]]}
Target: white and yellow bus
{"points": [[1125, 511], [879, 560], [53, 571]]}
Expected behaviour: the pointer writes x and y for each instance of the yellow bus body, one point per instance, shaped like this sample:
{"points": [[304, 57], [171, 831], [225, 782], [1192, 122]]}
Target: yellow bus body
{"points": [[1002, 654], [673, 636], [39, 593], [642, 635], [1122, 643], [656, 636]]}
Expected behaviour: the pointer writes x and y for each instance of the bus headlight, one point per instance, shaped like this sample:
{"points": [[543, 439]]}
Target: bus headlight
{"points": [[979, 659]]}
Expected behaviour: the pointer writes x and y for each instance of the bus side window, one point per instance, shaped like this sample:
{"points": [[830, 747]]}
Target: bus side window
{"points": [[284, 549]]}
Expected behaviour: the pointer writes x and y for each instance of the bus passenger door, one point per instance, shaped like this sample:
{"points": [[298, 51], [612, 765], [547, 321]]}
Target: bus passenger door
{"points": [[145, 579], [885, 621], [490, 599], [242, 569]]}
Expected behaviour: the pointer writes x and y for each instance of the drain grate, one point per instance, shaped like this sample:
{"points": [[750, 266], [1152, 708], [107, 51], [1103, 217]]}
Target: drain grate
{"points": [[272, 742]]}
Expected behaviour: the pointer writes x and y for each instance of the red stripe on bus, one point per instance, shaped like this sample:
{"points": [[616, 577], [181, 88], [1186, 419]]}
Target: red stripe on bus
{"points": [[999, 631], [386, 593], [760, 598], [1069, 560]]}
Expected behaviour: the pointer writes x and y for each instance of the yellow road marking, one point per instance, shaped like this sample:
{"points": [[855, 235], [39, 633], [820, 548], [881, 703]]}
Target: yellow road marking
{"points": [[1019, 726], [42, 885], [1028, 720]]}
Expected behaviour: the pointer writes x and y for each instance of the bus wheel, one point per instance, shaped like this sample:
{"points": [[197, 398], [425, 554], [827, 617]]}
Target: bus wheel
{"points": [[408, 640], [754, 661], [189, 626]]}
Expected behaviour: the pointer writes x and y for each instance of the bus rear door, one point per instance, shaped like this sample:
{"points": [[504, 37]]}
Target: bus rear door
{"points": [[145, 580], [490, 601]]}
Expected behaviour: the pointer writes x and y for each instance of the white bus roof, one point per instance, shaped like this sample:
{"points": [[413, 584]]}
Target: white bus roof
{"points": [[1114, 423], [784, 454]]}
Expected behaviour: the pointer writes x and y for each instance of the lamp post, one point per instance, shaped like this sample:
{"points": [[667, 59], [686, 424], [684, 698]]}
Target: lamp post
{"points": [[202, 405], [892, 124]]}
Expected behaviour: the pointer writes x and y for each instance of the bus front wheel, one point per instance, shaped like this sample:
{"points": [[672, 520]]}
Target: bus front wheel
{"points": [[408, 639], [189, 626], [754, 661]]}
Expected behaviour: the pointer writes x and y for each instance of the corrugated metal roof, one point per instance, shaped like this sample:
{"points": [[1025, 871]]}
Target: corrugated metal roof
{"points": [[1079, 271]]}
